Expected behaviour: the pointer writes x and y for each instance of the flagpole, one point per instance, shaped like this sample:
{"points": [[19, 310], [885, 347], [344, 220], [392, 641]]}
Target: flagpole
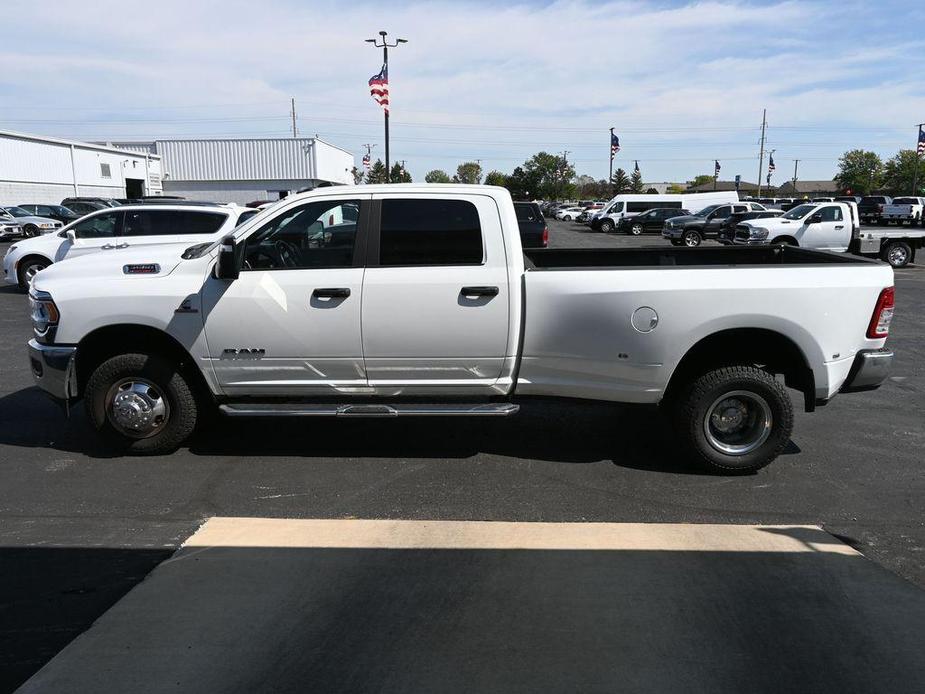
{"points": [[385, 46], [610, 178], [915, 171]]}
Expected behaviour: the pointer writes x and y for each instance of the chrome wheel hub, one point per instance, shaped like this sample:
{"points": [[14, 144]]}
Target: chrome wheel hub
{"points": [[33, 270], [137, 408], [897, 255], [738, 422]]}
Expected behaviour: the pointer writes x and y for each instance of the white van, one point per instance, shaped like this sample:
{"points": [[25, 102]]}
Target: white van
{"points": [[629, 204]]}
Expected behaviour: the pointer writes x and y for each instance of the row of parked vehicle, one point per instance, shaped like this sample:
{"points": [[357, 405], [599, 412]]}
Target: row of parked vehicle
{"points": [[872, 209], [823, 224], [31, 219]]}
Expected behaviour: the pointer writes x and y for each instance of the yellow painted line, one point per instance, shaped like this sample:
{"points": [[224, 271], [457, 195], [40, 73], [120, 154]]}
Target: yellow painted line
{"points": [[497, 535]]}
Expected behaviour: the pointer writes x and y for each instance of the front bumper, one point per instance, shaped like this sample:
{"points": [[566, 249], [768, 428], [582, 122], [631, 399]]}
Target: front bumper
{"points": [[53, 369], [870, 369], [672, 233]]}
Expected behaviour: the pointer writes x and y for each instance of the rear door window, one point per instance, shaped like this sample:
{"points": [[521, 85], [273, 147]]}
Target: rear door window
{"points": [[429, 232], [171, 222]]}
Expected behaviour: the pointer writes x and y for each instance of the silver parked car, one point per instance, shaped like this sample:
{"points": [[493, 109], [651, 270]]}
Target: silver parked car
{"points": [[31, 225]]}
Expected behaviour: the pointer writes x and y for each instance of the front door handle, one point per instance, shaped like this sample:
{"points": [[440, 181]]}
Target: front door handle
{"points": [[479, 291], [331, 293], [122, 245], [840, 226], [107, 247]]}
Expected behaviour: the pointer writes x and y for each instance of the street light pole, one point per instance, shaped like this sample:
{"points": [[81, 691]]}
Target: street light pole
{"points": [[385, 46]]}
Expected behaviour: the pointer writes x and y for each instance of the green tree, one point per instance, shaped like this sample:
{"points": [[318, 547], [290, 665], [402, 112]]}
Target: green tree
{"points": [[398, 174], [675, 188], [377, 173], [495, 178], [636, 185], [700, 180], [553, 174], [523, 184], [468, 172], [899, 173], [859, 171], [437, 176], [620, 182]]}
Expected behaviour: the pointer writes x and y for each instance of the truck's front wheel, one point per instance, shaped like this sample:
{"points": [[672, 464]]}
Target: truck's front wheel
{"points": [[141, 403], [735, 419]]}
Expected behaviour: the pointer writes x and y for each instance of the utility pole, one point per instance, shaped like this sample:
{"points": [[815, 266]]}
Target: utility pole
{"points": [[295, 132], [385, 46], [764, 126], [564, 164], [915, 171], [796, 163]]}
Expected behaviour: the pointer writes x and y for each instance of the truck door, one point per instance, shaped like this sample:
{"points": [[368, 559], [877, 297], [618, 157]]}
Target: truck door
{"points": [[831, 233], [435, 295], [290, 323]]}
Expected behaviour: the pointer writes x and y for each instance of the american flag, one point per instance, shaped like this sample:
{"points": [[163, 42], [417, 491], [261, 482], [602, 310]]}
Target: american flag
{"points": [[614, 145], [921, 148], [771, 166], [716, 167], [365, 161], [379, 87]]}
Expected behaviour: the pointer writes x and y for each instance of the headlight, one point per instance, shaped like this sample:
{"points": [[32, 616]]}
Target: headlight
{"points": [[758, 233], [44, 314]]}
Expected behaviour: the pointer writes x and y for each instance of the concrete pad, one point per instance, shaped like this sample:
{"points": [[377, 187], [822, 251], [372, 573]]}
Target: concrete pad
{"points": [[360, 605]]}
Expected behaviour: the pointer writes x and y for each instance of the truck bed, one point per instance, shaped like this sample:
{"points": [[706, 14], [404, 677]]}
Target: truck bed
{"points": [[658, 256]]}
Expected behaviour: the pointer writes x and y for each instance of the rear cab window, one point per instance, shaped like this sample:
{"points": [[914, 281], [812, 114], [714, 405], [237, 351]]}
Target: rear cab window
{"points": [[429, 232]]}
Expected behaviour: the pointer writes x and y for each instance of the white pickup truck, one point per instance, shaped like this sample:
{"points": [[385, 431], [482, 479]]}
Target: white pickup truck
{"points": [[394, 300], [904, 211], [832, 226]]}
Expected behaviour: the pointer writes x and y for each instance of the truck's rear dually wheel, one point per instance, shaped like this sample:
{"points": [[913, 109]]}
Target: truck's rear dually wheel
{"points": [[735, 419], [141, 402]]}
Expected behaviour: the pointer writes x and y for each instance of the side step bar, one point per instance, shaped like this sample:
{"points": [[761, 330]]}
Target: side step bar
{"points": [[502, 409]]}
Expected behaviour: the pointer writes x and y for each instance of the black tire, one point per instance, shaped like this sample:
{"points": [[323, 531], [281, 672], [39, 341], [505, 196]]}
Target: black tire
{"points": [[28, 266], [182, 410], [567, 218], [691, 239], [696, 411], [676, 242], [636, 229], [897, 253], [787, 241], [607, 226], [30, 230]]}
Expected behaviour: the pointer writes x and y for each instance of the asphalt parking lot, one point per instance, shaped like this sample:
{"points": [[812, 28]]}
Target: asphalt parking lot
{"points": [[444, 606]]}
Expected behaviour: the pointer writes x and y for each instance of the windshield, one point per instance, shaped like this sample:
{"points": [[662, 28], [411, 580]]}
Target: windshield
{"points": [[15, 211], [799, 212], [706, 210]]}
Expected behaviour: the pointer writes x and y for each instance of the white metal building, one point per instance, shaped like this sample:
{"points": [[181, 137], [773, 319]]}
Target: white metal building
{"points": [[241, 170], [45, 170]]}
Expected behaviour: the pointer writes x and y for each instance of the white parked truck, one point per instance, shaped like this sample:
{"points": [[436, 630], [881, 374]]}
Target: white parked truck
{"points": [[904, 211], [832, 226], [418, 300]]}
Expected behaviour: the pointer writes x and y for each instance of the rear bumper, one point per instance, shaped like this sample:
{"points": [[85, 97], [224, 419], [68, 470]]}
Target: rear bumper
{"points": [[870, 369], [53, 369]]}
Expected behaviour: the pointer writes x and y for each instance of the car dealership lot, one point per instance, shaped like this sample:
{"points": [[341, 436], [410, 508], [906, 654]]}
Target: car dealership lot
{"points": [[79, 528]]}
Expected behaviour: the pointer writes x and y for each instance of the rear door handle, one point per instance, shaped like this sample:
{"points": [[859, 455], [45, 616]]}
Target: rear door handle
{"points": [[107, 247], [479, 291], [331, 293], [840, 226]]}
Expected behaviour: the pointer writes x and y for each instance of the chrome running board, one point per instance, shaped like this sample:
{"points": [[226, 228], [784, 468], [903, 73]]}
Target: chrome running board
{"points": [[502, 409]]}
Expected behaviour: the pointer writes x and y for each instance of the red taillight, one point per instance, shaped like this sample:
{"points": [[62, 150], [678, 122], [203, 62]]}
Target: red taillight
{"points": [[883, 314], [545, 236]]}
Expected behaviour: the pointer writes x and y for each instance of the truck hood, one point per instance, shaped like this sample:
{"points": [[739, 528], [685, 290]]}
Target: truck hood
{"points": [[773, 223], [684, 219], [107, 265]]}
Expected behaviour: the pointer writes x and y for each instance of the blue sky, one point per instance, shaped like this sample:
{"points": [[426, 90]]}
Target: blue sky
{"points": [[682, 83]]}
